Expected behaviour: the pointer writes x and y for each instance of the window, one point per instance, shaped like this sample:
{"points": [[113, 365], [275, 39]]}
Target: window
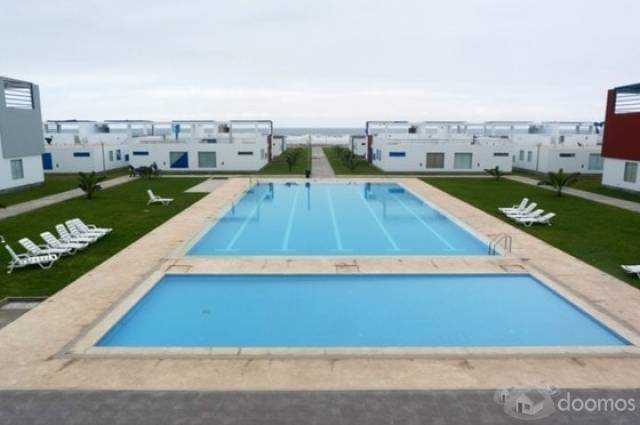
{"points": [[245, 153], [207, 160], [463, 161], [595, 161], [18, 95], [17, 172], [435, 160], [567, 155], [118, 154], [627, 99], [397, 154], [111, 156], [82, 154], [179, 159], [140, 153], [501, 154], [529, 156], [630, 172], [521, 157]]}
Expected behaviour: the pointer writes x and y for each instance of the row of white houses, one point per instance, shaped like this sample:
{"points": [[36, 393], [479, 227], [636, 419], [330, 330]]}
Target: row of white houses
{"points": [[203, 146], [461, 147]]}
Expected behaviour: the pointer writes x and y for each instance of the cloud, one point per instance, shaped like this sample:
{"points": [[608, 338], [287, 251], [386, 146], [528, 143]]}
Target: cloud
{"points": [[322, 62]]}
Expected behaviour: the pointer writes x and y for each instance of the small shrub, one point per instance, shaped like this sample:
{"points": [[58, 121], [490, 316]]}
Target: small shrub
{"points": [[90, 183], [559, 180], [495, 172]]}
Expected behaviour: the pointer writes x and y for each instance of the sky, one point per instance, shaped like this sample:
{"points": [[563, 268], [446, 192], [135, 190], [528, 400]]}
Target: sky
{"points": [[322, 63]]}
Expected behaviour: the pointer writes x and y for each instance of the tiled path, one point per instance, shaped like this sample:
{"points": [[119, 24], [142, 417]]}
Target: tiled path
{"points": [[304, 407], [45, 201], [320, 166], [607, 200]]}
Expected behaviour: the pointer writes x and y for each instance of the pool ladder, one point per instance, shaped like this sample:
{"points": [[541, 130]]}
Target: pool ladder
{"points": [[503, 238]]}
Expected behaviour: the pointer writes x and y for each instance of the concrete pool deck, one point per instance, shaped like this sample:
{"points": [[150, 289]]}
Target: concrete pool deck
{"points": [[37, 350]]}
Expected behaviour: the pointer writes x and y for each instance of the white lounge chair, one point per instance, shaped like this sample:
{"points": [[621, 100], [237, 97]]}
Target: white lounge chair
{"points": [[34, 249], [528, 221], [153, 199], [73, 228], [65, 236], [54, 242], [23, 260], [635, 269], [516, 208], [528, 210], [90, 227], [536, 213]]}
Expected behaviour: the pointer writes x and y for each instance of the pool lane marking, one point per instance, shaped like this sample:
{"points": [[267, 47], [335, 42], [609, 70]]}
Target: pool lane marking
{"points": [[287, 233], [380, 224], [424, 223], [334, 221], [245, 223]]}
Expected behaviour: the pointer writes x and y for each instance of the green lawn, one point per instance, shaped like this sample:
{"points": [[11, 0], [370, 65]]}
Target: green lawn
{"points": [[600, 235], [279, 166], [340, 168], [53, 183], [592, 183], [122, 207]]}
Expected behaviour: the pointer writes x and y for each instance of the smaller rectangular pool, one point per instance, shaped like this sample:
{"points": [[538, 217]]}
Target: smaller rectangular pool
{"points": [[485, 310]]}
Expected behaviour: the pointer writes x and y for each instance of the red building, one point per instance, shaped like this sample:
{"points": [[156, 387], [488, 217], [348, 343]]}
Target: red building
{"points": [[621, 139]]}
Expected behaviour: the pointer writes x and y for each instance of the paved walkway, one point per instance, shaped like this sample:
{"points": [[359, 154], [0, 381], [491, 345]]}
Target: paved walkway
{"points": [[45, 201], [607, 200], [281, 408], [320, 166]]}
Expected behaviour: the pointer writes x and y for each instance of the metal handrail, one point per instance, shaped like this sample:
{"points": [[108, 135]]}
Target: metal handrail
{"points": [[502, 237]]}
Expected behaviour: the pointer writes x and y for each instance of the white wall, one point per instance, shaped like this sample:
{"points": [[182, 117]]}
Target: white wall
{"points": [[548, 158], [227, 157], [483, 155], [31, 167], [64, 160], [613, 174]]}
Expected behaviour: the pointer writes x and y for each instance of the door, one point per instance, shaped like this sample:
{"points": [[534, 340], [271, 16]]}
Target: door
{"points": [[47, 161]]}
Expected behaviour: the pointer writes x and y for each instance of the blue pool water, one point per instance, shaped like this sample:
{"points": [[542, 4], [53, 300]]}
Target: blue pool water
{"points": [[355, 311], [335, 219]]}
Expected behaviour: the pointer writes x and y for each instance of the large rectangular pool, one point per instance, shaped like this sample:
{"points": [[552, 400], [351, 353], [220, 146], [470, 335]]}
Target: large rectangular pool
{"points": [[312, 219], [486, 310]]}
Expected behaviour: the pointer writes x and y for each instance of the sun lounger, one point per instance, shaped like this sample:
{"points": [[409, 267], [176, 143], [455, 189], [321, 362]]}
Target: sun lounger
{"points": [[527, 210], [82, 226], [632, 269], [65, 236], [75, 230], [528, 221], [35, 250], [153, 199], [516, 208], [536, 213], [23, 260], [54, 242]]}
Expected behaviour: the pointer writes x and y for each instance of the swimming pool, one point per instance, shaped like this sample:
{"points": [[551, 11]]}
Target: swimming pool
{"points": [[334, 219], [428, 310]]}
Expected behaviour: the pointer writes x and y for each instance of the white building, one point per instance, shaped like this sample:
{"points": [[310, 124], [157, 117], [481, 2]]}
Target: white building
{"points": [[434, 147], [21, 135], [550, 146], [74, 146], [232, 146]]}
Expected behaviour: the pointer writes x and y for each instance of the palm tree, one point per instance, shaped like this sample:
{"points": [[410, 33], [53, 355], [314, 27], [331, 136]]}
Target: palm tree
{"points": [[559, 180], [495, 172], [90, 183], [291, 157]]}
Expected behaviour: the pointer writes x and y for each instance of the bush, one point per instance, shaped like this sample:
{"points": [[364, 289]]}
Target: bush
{"points": [[90, 183]]}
